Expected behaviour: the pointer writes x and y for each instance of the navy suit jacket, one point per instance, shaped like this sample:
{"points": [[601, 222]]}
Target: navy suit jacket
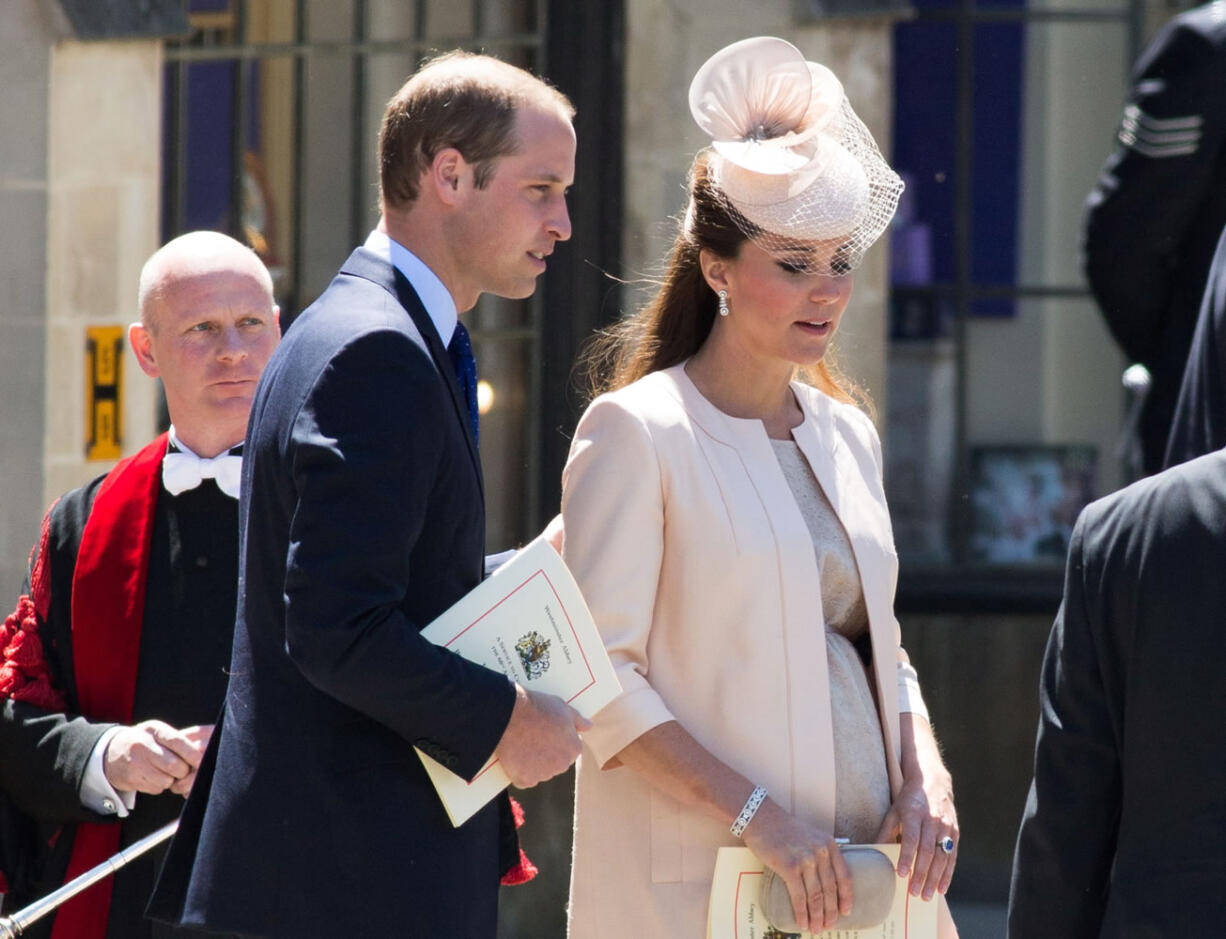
{"points": [[361, 520], [1200, 413], [1124, 833]]}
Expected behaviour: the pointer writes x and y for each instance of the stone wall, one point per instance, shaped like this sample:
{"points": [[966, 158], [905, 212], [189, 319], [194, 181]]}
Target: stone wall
{"points": [[24, 68], [104, 150], [80, 144]]}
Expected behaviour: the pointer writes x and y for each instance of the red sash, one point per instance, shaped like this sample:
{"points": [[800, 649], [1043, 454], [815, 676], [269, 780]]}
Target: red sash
{"points": [[108, 605]]}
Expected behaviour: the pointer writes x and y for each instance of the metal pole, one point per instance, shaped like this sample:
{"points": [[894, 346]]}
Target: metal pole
{"points": [[963, 273], [238, 126], [293, 300], [13, 926], [358, 144]]}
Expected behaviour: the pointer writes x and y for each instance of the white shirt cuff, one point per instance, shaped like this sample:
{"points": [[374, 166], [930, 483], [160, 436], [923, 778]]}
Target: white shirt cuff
{"points": [[909, 696], [495, 561], [96, 793]]}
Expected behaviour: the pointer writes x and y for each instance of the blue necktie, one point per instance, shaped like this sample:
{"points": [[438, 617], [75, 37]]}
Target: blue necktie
{"points": [[461, 351]]}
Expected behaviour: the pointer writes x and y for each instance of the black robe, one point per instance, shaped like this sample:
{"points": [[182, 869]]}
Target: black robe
{"points": [[186, 632]]}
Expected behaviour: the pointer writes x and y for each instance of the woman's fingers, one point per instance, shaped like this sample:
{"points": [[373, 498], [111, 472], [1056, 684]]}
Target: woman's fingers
{"points": [[950, 864], [809, 863], [934, 866], [911, 862], [814, 889], [828, 883], [924, 855], [828, 912], [798, 893], [941, 870], [843, 874]]}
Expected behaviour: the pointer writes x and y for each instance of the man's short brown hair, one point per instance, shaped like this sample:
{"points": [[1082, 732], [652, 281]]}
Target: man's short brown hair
{"points": [[459, 100]]}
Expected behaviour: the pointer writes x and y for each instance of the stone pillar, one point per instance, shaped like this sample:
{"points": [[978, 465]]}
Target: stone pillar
{"points": [[24, 67], [103, 181]]}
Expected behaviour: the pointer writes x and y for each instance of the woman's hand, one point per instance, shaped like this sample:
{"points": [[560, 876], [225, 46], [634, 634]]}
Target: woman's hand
{"points": [[804, 856], [808, 861], [923, 814]]}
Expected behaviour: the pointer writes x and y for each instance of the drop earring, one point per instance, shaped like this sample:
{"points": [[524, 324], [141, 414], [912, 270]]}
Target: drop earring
{"points": [[723, 303]]}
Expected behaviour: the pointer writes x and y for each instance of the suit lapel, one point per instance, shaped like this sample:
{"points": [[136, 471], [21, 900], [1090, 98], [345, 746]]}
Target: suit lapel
{"points": [[442, 361], [368, 265], [805, 680]]}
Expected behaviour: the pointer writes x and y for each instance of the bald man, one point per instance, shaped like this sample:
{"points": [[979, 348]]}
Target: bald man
{"points": [[114, 662]]}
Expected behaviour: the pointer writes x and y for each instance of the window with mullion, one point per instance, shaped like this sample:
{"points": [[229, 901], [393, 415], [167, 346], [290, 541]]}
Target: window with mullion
{"points": [[271, 115], [1004, 405]]}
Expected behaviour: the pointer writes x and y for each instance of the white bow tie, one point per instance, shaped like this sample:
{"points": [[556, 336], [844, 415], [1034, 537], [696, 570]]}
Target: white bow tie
{"points": [[184, 471]]}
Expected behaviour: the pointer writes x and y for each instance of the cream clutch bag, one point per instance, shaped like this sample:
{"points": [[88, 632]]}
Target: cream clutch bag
{"points": [[873, 882]]}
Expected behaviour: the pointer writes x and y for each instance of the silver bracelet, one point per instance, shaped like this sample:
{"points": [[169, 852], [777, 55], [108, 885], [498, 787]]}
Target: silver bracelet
{"points": [[751, 809]]}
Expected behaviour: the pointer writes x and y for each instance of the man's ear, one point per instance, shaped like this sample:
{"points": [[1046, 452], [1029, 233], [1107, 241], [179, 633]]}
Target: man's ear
{"points": [[714, 269], [141, 341], [450, 175]]}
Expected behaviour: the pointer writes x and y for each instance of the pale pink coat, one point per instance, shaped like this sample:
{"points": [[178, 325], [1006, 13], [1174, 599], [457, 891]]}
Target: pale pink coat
{"points": [[701, 574]]}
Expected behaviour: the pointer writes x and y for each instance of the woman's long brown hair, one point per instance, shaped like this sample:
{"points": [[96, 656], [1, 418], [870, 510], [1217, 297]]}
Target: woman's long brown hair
{"points": [[677, 320]]}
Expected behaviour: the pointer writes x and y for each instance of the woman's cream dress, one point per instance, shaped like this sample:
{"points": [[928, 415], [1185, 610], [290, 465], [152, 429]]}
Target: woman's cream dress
{"points": [[700, 570]]}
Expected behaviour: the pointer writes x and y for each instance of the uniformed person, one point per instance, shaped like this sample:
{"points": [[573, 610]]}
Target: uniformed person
{"points": [[1159, 206]]}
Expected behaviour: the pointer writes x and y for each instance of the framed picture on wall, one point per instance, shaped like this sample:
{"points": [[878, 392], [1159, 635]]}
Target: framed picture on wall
{"points": [[1025, 499]]}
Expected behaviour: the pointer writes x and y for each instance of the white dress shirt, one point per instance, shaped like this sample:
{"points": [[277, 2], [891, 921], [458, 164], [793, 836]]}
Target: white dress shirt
{"points": [[434, 295], [96, 792]]}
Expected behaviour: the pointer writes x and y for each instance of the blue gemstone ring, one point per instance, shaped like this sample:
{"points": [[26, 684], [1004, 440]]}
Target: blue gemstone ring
{"points": [[946, 844]]}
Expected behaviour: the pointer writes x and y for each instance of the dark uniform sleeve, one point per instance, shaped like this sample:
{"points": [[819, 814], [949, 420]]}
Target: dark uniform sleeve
{"points": [[1199, 426], [1169, 148], [1068, 833], [44, 750]]}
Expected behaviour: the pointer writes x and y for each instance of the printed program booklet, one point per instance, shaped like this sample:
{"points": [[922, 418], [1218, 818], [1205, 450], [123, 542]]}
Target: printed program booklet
{"points": [[735, 913], [529, 621]]}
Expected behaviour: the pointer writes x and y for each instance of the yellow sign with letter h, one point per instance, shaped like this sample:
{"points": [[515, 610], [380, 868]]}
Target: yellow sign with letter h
{"points": [[103, 392]]}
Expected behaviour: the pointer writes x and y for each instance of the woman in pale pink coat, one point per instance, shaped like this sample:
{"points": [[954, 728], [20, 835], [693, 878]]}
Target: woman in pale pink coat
{"points": [[727, 524]]}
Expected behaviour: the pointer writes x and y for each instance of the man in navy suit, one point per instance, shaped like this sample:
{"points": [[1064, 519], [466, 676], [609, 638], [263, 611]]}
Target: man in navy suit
{"points": [[362, 518], [1124, 831]]}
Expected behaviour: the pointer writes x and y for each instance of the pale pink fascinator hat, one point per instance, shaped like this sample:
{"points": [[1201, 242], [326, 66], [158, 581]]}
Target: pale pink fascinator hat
{"points": [[789, 155]]}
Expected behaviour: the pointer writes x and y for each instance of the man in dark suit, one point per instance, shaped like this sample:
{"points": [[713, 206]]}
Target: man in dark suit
{"points": [[113, 666], [1124, 832], [362, 519], [1159, 206]]}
